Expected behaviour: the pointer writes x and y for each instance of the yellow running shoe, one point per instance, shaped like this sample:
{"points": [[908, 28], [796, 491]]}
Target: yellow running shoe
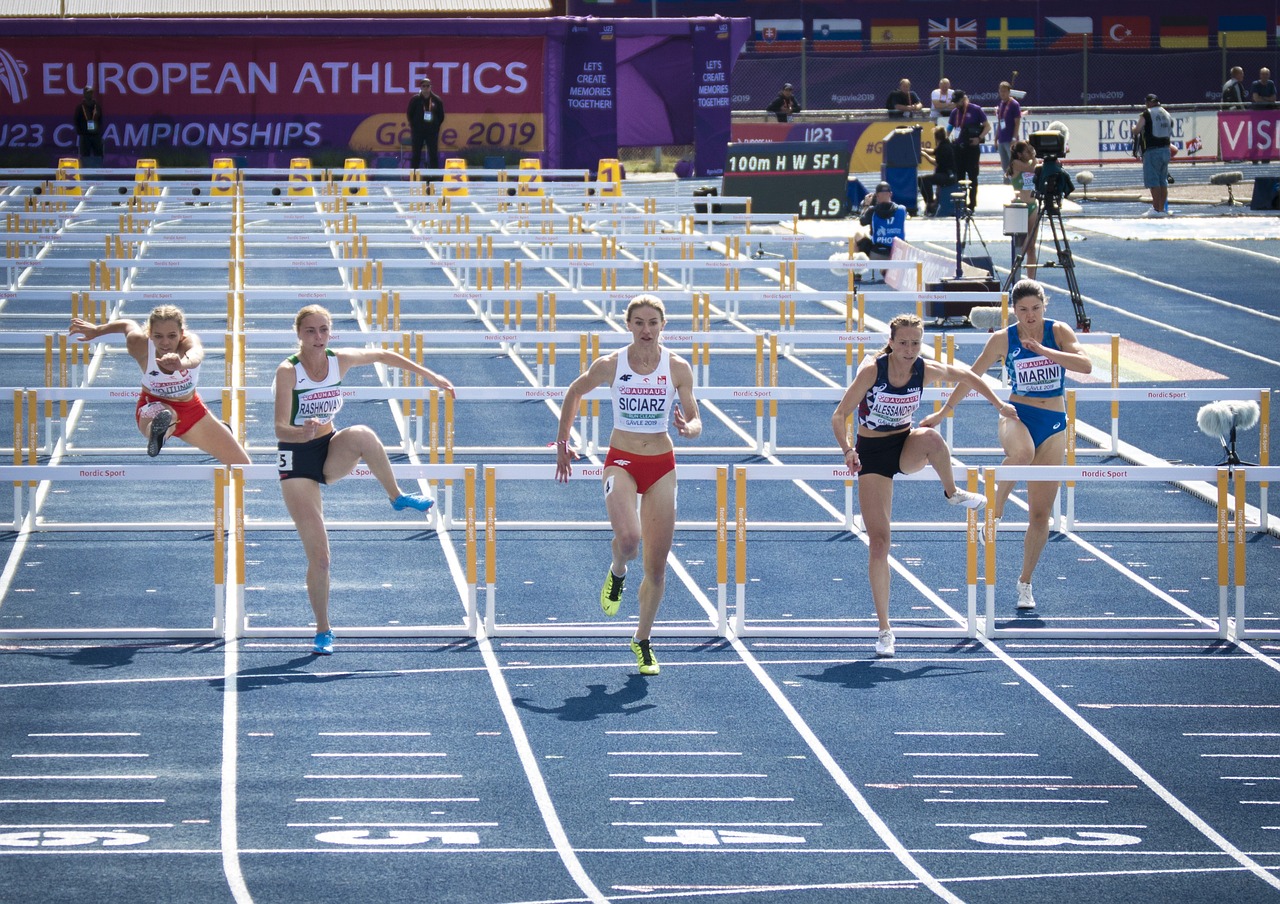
{"points": [[644, 657], [611, 592]]}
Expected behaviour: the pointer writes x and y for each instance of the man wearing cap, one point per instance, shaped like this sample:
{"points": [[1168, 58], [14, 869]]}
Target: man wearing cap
{"points": [[426, 115], [1151, 142], [885, 222], [89, 125], [784, 106]]}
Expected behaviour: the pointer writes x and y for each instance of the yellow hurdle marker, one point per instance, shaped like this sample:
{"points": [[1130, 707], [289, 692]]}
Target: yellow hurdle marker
{"points": [[300, 178], [529, 182], [222, 184], [68, 172], [610, 170], [354, 178], [455, 178], [146, 178]]}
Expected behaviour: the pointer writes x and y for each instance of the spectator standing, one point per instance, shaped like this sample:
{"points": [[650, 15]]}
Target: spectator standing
{"points": [[969, 128], [425, 115], [942, 102], [903, 102], [785, 105], [1008, 126], [1155, 127], [1263, 91], [89, 125], [1233, 96]]}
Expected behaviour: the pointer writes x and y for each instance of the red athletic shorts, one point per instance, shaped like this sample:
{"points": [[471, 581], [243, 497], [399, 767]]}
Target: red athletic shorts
{"points": [[645, 470], [189, 411]]}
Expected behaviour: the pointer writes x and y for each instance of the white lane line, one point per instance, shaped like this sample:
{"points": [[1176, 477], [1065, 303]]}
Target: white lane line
{"points": [[374, 734], [1034, 801], [84, 734], [707, 800], [382, 776], [386, 800], [1005, 778], [1241, 756], [673, 753], [76, 756], [387, 754], [85, 800], [1179, 705], [75, 778], [1231, 734], [1040, 825], [953, 734], [978, 755], [728, 825], [688, 775], [659, 732], [229, 826]]}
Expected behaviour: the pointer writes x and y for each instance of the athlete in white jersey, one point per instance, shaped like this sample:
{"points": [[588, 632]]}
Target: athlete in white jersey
{"points": [[1038, 353], [311, 451], [651, 387], [168, 404]]}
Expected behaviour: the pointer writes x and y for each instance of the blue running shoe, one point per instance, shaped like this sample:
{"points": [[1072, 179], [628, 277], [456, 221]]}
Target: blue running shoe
{"points": [[324, 644], [160, 425], [413, 501]]}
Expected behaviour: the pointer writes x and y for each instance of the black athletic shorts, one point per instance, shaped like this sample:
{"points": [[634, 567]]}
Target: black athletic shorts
{"points": [[303, 459], [881, 454]]}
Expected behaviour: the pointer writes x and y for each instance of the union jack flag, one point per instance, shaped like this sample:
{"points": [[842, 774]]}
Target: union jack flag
{"points": [[953, 34]]}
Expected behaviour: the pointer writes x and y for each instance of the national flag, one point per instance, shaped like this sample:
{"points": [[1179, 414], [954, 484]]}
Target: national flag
{"points": [[1184, 32], [1127, 32], [1011, 34], [895, 32], [837, 34], [779, 35], [1242, 31], [953, 34], [1068, 32]]}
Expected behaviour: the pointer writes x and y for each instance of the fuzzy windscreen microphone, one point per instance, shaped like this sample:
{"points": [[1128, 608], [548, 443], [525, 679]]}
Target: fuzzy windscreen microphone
{"points": [[985, 318], [1219, 419]]}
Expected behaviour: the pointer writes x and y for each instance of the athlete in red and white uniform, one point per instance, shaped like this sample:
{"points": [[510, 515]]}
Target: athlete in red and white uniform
{"points": [[651, 388], [168, 404]]}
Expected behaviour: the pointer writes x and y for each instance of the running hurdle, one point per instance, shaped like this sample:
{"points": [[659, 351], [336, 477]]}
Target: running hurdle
{"points": [[41, 477], [1231, 532], [801, 474], [545, 473], [240, 474]]}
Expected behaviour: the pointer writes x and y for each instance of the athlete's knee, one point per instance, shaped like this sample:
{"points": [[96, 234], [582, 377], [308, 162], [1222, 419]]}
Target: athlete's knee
{"points": [[627, 543], [878, 544], [1019, 456]]}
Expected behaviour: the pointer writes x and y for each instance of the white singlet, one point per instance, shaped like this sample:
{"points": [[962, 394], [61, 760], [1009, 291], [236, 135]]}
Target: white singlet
{"points": [[642, 402], [177, 385]]}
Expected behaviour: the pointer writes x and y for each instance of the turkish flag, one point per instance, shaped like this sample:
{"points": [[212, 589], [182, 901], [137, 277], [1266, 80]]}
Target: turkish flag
{"points": [[1128, 32]]}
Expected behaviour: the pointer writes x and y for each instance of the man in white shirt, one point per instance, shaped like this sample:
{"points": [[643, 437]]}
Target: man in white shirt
{"points": [[942, 102]]}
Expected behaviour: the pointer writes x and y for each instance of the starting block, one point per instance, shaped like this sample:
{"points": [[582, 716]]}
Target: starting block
{"points": [[354, 182], [455, 178], [300, 177], [68, 172], [146, 179]]}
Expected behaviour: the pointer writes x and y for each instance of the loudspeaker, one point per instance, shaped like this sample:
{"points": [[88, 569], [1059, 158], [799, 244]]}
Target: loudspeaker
{"points": [[958, 309], [1266, 194]]}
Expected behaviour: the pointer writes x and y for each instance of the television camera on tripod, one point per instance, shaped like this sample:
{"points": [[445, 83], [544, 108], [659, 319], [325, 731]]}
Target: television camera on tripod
{"points": [[1051, 184]]}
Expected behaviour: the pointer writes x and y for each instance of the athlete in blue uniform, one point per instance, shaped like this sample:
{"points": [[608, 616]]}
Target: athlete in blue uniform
{"points": [[885, 394], [1037, 354], [308, 396], [651, 388]]}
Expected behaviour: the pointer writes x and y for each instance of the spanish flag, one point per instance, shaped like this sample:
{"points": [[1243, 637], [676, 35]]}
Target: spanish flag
{"points": [[895, 32], [1184, 32]]}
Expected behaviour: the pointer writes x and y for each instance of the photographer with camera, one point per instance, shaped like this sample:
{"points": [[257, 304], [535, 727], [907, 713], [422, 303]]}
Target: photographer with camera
{"points": [[1151, 143], [969, 128]]}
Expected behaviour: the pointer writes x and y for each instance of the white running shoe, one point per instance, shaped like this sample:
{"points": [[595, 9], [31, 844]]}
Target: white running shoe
{"points": [[1025, 599], [982, 532], [884, 644], [967, 499]]}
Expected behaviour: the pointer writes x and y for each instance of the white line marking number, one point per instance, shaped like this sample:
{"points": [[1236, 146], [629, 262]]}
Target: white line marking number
{"points": [[1084, 839]]}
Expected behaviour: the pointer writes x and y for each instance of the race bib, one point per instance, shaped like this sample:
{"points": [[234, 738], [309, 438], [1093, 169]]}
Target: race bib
{"points": [[284, 460], [90, 125], [426, 116]]}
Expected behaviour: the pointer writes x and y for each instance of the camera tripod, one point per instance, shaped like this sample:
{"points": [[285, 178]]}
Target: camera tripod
{"points": [[1051, 212], [964, 225]]}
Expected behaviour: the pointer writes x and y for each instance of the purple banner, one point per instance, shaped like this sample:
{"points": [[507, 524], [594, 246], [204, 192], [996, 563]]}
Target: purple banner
{"points": [[590, 119], [712, 62], [1249, 135]]}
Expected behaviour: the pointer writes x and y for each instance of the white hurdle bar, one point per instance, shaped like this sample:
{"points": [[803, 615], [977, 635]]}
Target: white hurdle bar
{"points": [[1231, 518], [546, 472], [817, 473], [467, 474], [42, 476]]}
